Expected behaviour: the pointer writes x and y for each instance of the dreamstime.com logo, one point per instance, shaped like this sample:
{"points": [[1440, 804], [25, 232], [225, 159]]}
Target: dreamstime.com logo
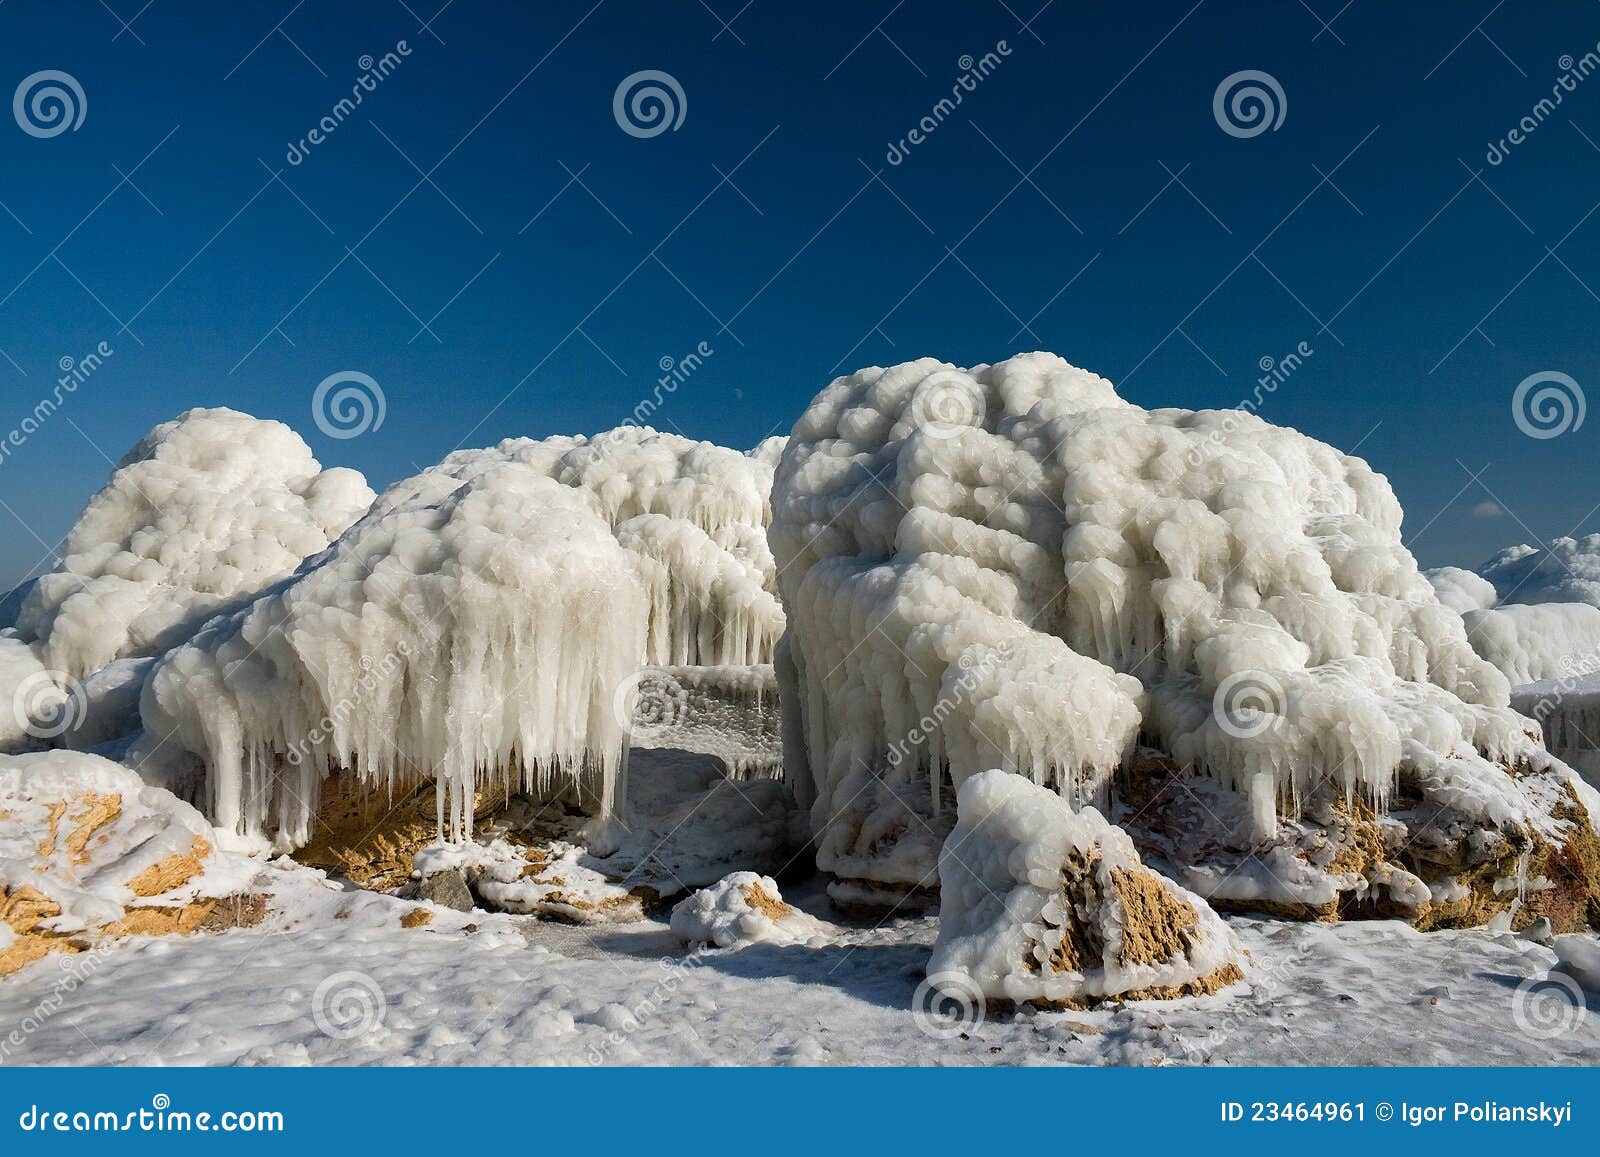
{"points": [[648, 103], [160, 1117], [348, 1004], [1548, 1006], [945, 403], [946, 1005], [1248, 704], [48, 704], [1548, 404], [1248, 103], [49, 103], [348, 404], [649, 700]]}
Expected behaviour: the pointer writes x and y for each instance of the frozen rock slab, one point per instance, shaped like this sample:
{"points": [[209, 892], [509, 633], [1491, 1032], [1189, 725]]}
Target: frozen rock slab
{"points": [[743, 908], [1046, 905], [89, 853]]}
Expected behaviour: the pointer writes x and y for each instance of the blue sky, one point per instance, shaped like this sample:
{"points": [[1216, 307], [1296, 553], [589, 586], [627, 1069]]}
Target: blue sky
{"points": [[483, 238]]}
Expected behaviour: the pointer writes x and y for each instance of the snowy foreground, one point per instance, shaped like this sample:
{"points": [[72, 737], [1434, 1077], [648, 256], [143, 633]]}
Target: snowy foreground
{"points": [[337, 980]]}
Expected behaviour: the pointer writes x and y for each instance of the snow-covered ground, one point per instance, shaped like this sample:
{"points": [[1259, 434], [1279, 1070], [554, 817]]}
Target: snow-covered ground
{"points": [[333, 978]]}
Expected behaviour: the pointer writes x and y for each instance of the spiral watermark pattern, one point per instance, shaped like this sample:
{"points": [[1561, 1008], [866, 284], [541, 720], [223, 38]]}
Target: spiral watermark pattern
{"points": [[946, 1005], [48, 704], [1548, 1006], [648, 103], [49, 103], [1548, 404], [348, 404], [648, 700], [945, 403], [1248, 704], [348, 1004], [1248, 103]]}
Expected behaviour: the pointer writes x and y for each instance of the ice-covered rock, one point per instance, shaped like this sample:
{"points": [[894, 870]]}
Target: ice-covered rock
{"points": [[1580, 959], [472, 630], [203, 514], [1045, 904], [743, 908], [1013, 567], [478, 628], [88, 852]]}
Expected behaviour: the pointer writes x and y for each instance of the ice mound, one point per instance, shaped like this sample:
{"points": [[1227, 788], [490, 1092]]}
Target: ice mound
{"points": [[473, 630], [206, 511], [88, 853], [741, 909], [1013, 567], [1044, 904]]}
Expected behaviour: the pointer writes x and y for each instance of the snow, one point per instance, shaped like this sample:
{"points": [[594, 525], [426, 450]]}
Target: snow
{"points": [[1035, 904], [1538, 641], [1237, 591], [485, 989], [744, 908]]}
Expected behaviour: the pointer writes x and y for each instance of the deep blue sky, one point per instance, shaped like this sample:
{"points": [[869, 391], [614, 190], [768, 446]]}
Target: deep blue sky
{"points": [[804, 264]]}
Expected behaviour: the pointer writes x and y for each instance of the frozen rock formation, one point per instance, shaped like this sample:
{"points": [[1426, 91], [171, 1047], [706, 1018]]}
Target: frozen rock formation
{"points": [[1044, 904], [479, 628], [741, 909], [472, 630], [89, 853], [204, 513], [1013, 567]]}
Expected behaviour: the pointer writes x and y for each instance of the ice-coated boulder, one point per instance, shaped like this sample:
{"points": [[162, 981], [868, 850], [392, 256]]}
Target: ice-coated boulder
{"points": [[1040, 903]]}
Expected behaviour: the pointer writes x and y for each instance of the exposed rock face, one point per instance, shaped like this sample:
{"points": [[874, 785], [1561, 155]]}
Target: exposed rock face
{"points": [[89, 854], [1050, 906]]}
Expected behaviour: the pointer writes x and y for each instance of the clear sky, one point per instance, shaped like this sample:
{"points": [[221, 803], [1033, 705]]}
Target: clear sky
{"points": [[482, 237]]}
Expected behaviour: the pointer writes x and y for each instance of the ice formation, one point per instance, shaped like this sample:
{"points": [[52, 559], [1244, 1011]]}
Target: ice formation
{"points": [[1013, 567], [206, 511], [743, 908], [1535, 614], [1040, 902], [1565, 571], [472, 630], [88, 851], [480, 627]]}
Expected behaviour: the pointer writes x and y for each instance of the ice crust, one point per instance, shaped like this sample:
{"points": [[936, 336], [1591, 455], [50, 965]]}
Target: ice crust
{"points": [[1013, 567]]}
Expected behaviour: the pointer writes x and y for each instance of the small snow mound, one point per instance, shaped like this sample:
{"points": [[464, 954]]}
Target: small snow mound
{"points": [[741, 909], [1580, 959], [89, 852], [1045, 904]]}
